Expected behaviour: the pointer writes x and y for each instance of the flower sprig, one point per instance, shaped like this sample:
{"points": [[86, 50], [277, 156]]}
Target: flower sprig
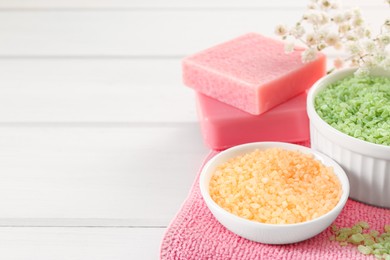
{"points": [[325, 24]]}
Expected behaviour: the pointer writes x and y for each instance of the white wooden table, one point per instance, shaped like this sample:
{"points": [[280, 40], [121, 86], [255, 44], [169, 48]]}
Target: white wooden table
{"points": [[99, 141]]}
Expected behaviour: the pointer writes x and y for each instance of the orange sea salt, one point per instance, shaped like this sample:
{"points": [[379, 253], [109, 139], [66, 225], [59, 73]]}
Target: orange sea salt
{"points": [[275, 186]]}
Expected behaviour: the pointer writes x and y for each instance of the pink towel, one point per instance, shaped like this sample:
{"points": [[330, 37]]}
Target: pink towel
{"points": [[195, 234]]}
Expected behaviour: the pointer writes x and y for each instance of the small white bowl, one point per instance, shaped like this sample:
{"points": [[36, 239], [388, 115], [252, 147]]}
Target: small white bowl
{"points": [[271, 233], [366, 164]]}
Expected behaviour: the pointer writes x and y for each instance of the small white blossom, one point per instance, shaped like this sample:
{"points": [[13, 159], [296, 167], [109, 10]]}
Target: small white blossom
{"points": [[351, 36], [325, 4], [368, 45], [313, 17], [324, 18], [332, 38], [354, 63], [368, 62], [384, 39], [357, 21], [386, 25], [344, 28], [311, 39], [356, 12], [338, 17], [321, 46], [379, 56], [386, 50], [362, 72], [385, 63], [353, 48], [367, 32], [322, 33], [309, 55], [338, 45], [297, 31], [281, 30], [360, 32]]}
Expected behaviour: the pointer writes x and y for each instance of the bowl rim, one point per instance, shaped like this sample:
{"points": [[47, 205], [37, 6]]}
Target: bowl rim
{"points": [[342, 139], [341, 175]]}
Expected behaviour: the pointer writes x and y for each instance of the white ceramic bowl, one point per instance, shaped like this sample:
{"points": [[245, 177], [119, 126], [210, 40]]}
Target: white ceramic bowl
{"points": [[366, 164], [271, 233]]}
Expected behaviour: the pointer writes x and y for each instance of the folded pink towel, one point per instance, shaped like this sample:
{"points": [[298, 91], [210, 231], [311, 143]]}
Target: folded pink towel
{"points": [[195, 234]]}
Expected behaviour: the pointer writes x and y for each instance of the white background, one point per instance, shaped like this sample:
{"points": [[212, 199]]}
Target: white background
{"points": [[99, 141]]}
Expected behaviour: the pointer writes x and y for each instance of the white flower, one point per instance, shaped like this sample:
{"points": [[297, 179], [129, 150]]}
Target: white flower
{"points": [[353, 48], [386, 50], [384, 39], [338, 45], [322, 33], [385, 64], [386, 25], [367, 32], [344, 28], [360, 32], [368, 45], [321, 46], [325, 4], [354, 62], [289, 47], [297, 31], [281, 30], [357, 12], [313, 17], [338, 63], [311, 39], [379, 56], [324, 18], [351, 36], [362, 72], [368, 62], [357, 21], [338, 17], [309, 55], [332, 38]]}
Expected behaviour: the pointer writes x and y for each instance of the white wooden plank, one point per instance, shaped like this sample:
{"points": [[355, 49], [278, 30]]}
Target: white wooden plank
{"points": [[80, 243], [135, 33], [85, 4], [97, 175], [94, 90]]}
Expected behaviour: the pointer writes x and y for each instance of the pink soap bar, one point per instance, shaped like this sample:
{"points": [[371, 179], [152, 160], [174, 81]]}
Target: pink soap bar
{"points": [[224, 126], [252, 73]]}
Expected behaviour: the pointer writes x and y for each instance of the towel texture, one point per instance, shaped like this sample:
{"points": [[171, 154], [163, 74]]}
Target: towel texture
{"points": [[194, 233]]}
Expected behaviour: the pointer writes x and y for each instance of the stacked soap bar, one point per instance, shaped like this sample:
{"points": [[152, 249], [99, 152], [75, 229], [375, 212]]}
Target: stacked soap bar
{"points": [[224, 126], [251, 90]]}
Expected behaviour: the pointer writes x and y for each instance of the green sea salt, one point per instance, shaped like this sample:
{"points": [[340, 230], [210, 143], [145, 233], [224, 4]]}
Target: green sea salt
{"points": [[368, 242], [359, 107]]}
